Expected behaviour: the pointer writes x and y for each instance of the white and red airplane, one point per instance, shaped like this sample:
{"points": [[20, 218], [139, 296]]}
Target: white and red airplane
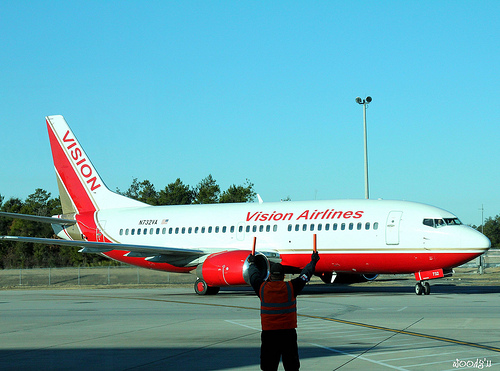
{"points": [[357, 239]]}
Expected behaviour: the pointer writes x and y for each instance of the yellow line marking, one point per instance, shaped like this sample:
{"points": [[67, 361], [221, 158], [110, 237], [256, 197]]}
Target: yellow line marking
{"points": [[345, 322]]}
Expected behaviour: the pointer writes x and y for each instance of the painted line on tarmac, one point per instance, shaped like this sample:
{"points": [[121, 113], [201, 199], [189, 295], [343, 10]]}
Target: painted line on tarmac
{"points": [[404, 332], [345, 322]]}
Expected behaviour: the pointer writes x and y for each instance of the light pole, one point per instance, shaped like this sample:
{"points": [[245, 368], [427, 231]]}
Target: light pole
{"points": [[364, 102]]}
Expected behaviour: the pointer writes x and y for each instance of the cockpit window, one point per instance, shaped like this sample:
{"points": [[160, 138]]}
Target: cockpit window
{"points": [[438, 223], [452, 221]]}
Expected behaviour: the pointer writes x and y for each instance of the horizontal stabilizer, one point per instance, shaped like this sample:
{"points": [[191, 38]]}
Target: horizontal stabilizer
{"points": [[41, 219], [93, 250]]}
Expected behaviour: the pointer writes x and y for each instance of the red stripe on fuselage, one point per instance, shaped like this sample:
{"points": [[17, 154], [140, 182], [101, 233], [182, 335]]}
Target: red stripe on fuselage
{"points": [[390, 263]]}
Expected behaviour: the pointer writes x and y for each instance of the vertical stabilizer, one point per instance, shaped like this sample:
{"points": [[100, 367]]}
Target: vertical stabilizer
{"points": [[81, 189]]}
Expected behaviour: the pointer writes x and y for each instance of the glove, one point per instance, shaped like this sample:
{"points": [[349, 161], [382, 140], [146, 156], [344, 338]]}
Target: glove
{"points": [[315, 257], [251, 259]]}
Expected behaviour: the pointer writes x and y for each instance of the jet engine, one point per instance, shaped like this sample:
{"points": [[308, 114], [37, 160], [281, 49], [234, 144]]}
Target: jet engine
{"points": [[227, 268]]}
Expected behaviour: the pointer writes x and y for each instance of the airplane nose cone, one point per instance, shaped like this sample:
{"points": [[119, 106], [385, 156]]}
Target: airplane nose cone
{"points": [[473, 239]]}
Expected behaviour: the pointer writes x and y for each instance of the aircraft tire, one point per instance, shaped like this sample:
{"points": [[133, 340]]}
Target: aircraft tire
{"points": [[213, 290], [419, 289], [427, 288], [200, 287]]}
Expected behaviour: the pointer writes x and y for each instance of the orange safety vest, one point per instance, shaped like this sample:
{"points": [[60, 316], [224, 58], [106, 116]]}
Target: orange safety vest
{"points": [[278, 309]]}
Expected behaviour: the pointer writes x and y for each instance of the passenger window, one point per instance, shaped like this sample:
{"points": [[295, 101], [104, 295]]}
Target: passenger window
{"points": [[209, 229], [254, 228], [248, 228], [297, 227], [275, 228], [240, 228], [375, 225], [196, 229], [232, 229], [157, 230], [335, 226], [164, 231], [183, 230], [126, 232], [268, 228], [150, 231], [367, 225], [133, 231], [320, 227], [138, 231], [360, 225], [261, 228], [342, 226], [224, 229], [311, 227], [121, 232], [289, 228], [170, 230], [351, 226], [217, 229], [327, 227], [202, 229], [190, 230]]}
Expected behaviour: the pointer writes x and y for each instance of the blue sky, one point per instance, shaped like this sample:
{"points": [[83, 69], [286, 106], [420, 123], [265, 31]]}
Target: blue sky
{"points": [[161, 90]]}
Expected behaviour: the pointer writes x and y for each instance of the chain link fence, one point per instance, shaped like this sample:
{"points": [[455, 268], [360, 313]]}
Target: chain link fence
{"points": [[129, 276], [90, 276]]}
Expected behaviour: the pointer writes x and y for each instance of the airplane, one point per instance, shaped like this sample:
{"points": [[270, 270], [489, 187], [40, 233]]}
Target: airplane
{"points": [[357, 239]]}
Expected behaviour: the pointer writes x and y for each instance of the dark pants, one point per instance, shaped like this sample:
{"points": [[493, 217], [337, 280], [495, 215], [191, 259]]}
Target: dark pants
{"points": [[276, 344]]}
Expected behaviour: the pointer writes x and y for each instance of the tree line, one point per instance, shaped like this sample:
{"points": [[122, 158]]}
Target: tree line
{"points": [[29, 255], [207, 191]]}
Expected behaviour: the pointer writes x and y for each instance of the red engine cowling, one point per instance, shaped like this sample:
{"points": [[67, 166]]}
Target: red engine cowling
{"points": [[229, 268]]}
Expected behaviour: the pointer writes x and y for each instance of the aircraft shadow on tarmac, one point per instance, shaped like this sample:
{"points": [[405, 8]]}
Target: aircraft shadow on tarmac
{"points": [[161, 358], [375, 289]]}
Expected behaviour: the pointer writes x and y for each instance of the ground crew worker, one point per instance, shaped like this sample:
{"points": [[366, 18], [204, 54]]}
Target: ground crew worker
{"points": [[278, 313]]}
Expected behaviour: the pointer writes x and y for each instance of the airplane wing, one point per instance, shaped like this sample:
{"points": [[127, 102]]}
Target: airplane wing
{"points": [[172, 255], [41, 219], [97, 247]]}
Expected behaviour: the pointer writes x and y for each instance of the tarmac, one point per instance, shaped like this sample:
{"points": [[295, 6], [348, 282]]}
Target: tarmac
{"points": [[380, 325]]}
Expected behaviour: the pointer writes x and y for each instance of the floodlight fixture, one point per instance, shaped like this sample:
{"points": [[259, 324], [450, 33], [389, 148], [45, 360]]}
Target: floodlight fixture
{"points": [[364, 102]]}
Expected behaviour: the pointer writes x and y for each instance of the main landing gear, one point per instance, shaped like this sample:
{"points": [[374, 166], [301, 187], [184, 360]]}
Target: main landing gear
{"points": [[422, 287], [201, 288]]}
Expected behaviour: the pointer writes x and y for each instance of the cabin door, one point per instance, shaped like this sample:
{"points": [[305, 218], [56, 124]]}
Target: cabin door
{"points": [[392, 228]]}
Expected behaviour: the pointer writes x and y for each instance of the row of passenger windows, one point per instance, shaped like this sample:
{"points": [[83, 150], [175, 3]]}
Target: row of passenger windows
{"points": [[249, 228], [334, 226]]}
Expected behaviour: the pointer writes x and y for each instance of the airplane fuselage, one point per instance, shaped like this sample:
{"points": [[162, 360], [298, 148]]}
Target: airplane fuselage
{"points": [[354, 236]]}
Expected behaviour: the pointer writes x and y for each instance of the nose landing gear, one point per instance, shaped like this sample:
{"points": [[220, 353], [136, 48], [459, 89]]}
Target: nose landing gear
{"points": [[422, 286]]}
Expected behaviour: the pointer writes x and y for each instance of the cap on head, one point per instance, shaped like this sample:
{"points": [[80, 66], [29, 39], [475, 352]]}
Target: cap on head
{"points": [[277, 271]]}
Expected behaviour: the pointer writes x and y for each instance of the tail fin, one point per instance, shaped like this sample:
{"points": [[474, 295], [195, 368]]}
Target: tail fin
{"points": [[81, 189]]}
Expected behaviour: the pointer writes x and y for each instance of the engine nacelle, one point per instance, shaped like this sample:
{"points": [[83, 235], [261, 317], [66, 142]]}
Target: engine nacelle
{"points": [[230, 268]]}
